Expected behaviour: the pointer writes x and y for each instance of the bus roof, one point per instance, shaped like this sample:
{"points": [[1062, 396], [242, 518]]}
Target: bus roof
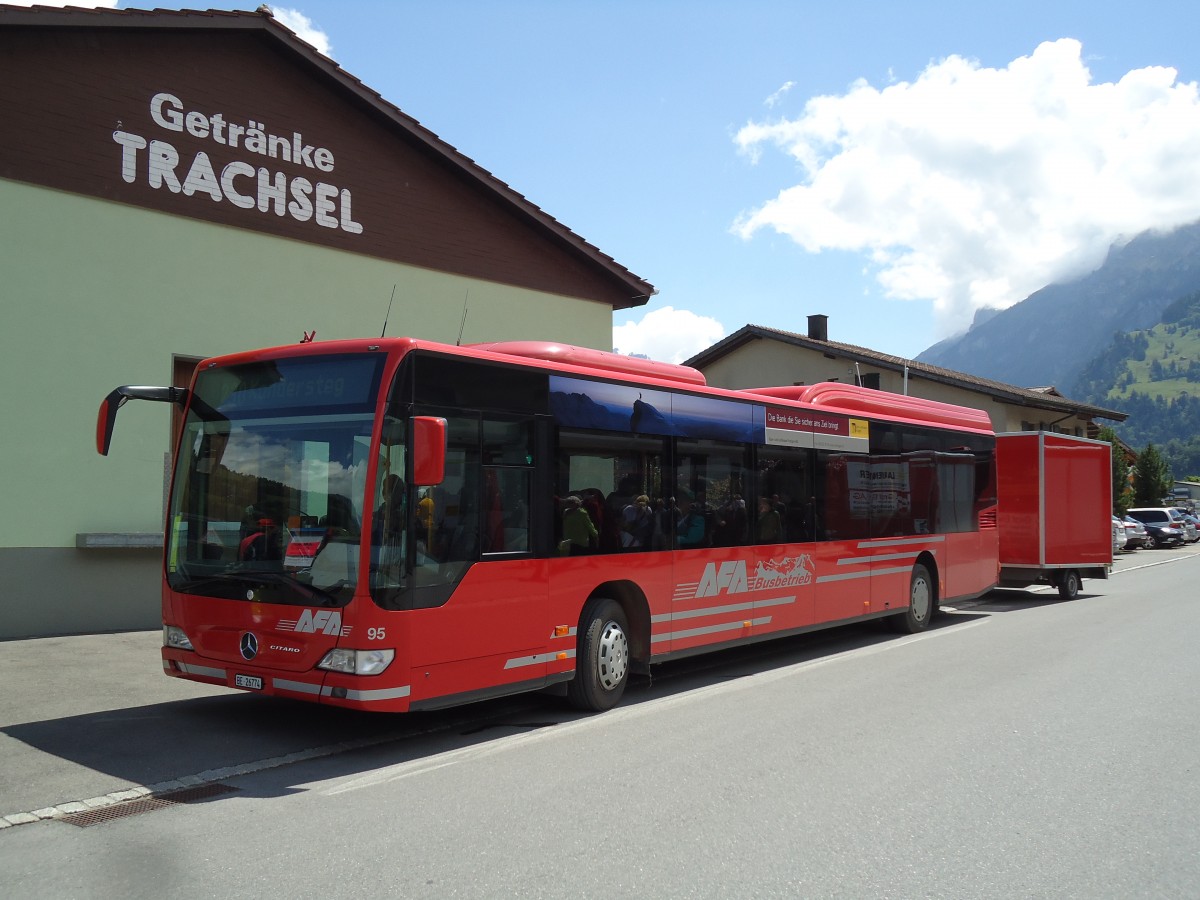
{"points": [[834, 397]]}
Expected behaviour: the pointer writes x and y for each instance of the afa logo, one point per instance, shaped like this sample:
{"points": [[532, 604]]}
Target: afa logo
{"points": [[731, 578], [322, 621]]}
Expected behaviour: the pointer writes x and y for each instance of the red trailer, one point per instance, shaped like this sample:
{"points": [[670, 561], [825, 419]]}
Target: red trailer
{"points": [[1054, 509]]}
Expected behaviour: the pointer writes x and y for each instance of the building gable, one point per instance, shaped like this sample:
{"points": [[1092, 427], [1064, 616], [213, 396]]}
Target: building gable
{"points": [[250, 128]]}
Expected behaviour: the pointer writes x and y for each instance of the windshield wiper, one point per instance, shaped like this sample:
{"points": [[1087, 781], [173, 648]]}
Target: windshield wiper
{"points": [[318, 596]]}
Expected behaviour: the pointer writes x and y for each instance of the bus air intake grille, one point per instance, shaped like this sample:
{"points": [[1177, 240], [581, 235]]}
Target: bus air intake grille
{"points": [[102, 814]]}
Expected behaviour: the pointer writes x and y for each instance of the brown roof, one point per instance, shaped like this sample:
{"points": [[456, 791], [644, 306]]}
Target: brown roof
{"points": [[71, 17], [1047, 398]]}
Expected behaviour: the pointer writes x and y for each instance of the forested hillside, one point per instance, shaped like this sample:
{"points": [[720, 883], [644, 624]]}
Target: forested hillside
{"points": [[1154, 376]]}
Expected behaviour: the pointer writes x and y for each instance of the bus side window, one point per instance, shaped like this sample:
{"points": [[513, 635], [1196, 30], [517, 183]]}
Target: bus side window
{"points": [[608, 473], [786, 504], [843, 495], [506, 510], [508, 459], [711, 482]]}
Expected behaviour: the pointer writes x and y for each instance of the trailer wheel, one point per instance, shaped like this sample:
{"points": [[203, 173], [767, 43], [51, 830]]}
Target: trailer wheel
{"points": [[602, 661], [922, 600], [1068, 584]]}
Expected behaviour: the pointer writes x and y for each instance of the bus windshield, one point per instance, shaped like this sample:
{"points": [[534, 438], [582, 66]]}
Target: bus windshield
{"points": [[270, 485]]}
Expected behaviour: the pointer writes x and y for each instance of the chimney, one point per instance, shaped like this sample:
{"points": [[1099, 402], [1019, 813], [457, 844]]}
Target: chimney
{"points": [[818, 327]]}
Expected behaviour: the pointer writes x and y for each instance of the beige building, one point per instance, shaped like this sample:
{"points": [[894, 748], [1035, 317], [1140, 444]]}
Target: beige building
{"points": [[178, 185], [754, 356]]}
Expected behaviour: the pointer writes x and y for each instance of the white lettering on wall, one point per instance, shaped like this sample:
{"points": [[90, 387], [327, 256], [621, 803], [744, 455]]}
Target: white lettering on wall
{"points": [[239, 182]]}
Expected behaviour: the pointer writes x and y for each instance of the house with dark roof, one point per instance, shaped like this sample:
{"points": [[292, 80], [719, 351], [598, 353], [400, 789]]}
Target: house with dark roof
{"points": [[182, 184], [756, 356]]}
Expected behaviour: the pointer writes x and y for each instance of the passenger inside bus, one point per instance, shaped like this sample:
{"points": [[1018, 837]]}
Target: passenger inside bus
{"points": [[770, 525], [579, 532], [689, 526], [637, 524], [389, 516]]}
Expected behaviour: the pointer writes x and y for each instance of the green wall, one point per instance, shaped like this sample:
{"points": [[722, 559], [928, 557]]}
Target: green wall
{"points": [[97, 294]]}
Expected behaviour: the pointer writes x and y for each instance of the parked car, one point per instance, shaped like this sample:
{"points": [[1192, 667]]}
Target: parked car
{"points": [[1136, 535], [1118, 531], [1191, 525], [1160, 525]]}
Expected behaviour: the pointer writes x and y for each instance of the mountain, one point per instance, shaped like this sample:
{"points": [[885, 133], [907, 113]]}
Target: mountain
{"points": [[1052, 335]]}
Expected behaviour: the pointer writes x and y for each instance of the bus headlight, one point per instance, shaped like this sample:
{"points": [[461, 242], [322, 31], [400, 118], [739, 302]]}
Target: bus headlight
{"points": [[175, 638], [357, 662]]}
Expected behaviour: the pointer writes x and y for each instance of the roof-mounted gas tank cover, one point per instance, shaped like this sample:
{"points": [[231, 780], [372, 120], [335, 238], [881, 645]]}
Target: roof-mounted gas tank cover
{"points": [[855, 400]]}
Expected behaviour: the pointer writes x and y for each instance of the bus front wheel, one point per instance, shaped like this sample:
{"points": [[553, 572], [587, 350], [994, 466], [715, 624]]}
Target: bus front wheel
{"points": [[602, 661], [922, 599]]}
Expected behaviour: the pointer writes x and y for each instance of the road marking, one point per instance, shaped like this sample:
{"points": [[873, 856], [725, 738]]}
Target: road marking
{"points": [[1157, 562]]}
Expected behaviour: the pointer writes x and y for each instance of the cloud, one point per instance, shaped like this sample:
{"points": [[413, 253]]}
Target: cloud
{"points": [[95, 4], [303, 27], [667, 335], [779, 94], [973, 186]]}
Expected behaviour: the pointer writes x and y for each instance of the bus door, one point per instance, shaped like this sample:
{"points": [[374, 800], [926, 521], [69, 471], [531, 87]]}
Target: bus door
{"points": [[844, 556], [479, 602], [896, 483]]}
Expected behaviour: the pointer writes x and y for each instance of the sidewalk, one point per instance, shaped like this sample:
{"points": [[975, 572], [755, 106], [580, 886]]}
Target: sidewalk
{"points": [[70, 702]]}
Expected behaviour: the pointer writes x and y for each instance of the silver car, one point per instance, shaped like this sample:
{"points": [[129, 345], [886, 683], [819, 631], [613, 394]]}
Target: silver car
{"points": [[1189, 523], [1136, 536], [1185, 523]]}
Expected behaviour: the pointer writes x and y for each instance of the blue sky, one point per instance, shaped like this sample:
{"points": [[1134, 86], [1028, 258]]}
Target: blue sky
{"points": [[894, 166]]}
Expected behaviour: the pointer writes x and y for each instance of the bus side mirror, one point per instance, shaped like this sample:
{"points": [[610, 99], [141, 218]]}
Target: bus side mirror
{"points": [[107, 416], [428, 450]]}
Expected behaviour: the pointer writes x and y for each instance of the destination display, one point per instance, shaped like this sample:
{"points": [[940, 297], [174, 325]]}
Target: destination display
{"points": [[817, 430]]}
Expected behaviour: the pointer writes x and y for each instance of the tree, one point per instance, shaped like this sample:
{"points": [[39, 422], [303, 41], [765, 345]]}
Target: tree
{"points": [[1122, 495], [1151, 478]]}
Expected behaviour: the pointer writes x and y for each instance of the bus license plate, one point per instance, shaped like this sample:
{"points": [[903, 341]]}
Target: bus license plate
{"points": [[253, 682]]}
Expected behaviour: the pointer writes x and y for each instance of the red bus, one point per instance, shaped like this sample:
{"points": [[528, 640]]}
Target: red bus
{"points": [[399, 524]]}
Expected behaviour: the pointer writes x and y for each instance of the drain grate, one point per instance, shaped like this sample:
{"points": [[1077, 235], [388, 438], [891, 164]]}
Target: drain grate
{"points": [[100, 815]]}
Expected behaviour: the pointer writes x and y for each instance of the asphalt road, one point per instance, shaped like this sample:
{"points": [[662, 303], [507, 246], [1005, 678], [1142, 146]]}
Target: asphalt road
{"points": [[1024, 747]]}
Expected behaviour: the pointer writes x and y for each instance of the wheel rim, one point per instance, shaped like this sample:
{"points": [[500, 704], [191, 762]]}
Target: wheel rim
{"points": [[921, 599], [612, 660]]}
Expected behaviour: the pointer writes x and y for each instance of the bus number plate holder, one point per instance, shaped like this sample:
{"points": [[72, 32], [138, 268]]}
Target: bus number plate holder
{"points": [[251, 682]]}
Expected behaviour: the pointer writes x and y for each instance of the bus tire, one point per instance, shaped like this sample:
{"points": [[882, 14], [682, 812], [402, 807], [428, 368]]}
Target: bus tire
{"points": [[1068, 584], [922, 600], [602, 660]]}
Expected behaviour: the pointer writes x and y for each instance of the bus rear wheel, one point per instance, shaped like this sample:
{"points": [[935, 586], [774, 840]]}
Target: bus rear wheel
{"points": [[602, 661], [922, 600]]}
